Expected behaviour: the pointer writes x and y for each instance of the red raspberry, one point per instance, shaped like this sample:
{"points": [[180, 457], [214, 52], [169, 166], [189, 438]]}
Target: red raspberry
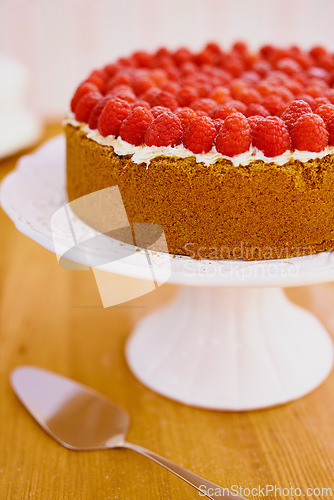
{"points": [[250, 96], [143, 59], [234, 136], [319, 101], [150, 95], [274, 104], [140, 102], [166, 130], [325, 111], [309, 133], [171, 87], [134, 127], [228, 108], [307, 98], [113, 114], [186, 116], [200, 135], [99, 78], [123, 92], [221, 95], [204, 104], [86, 105], [182, 55], [164, 98], [288, 66], [95, 114], [142, 82], [271, 136], [186, 95], [294, 111], [122, 78], [256, 109], [330, 129], [83, 89], [253, 121], [157, 110]]}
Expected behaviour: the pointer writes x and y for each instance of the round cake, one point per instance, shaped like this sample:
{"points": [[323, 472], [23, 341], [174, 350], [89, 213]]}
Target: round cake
{"points": [[230, 152]]}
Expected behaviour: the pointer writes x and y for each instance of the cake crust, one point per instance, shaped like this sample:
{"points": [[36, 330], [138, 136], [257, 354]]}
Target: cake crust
{"points": [[220, 211]]}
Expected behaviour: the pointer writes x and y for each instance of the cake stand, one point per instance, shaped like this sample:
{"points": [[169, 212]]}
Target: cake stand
{"points": [[230, 339]]}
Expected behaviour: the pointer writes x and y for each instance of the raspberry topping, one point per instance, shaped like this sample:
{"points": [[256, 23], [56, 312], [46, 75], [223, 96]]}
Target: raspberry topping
{"points": [[294, 111], [271, 136], [166, 130], [86, 104], [234, 136], [325, 111], [134, 127], [113, 114], [200, 135], [309, 133], [273, 82]]}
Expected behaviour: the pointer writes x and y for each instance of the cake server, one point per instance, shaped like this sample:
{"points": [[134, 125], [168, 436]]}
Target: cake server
{"points": [[80, 418]]}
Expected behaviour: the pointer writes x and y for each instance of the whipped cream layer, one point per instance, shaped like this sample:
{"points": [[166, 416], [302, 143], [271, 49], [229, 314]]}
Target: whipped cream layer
{"points": [[144, 154]]}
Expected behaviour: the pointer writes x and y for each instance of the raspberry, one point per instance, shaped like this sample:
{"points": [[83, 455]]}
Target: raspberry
{"points": [[123, 92], [186, 95], [166, 130], [234, 136], [271, 136], [83, 89], [325, 111], [294, 111], [309, 133], [142, 82], [86, 105], [182, 55], [157, 110], [95, 114], [186, 116], [221, 95], [288, 66], [200, 135], [256, 109], [250, 96], [330, 129], [228, 109], [274, 104], [134, 127], [150, 94], [140, 102], [204, 104], [113, 114], [319, 101], [253, 121], [98, 77], [164, 98], [171, 87]]}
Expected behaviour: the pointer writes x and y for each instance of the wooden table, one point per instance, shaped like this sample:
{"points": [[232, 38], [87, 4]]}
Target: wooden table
{"points": [[53, 318]]}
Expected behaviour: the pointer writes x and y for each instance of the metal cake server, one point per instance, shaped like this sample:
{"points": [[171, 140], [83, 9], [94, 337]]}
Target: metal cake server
{"points": [[80, 419]]}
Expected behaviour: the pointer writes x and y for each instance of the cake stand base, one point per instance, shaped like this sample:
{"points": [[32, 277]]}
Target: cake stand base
{"points": [[230, 348]]}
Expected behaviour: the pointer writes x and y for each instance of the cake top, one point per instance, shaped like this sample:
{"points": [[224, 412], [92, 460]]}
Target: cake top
{"points": [[274, 100]]}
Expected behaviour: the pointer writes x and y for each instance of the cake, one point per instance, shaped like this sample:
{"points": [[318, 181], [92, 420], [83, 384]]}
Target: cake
{"points": [[230, 152]]}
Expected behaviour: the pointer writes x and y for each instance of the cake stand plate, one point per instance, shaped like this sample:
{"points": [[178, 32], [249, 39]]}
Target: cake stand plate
{"points": [[230, 339]]}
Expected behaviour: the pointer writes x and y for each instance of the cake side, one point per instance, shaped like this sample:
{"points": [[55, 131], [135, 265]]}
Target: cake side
{"points": [[218, 211]]}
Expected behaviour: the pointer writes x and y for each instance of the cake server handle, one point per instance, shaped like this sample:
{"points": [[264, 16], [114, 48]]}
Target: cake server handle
{"points": [[206, 488]]}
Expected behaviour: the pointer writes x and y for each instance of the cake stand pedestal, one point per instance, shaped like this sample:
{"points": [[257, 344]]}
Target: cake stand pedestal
{"points": [[230, 348], [230, 339]]}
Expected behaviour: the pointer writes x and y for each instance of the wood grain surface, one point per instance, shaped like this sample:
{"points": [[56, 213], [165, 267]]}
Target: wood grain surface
{"points": [[53, 318]]}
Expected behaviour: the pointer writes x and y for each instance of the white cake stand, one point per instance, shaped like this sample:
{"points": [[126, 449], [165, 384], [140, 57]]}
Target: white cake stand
{"points": [[230, 339]]}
